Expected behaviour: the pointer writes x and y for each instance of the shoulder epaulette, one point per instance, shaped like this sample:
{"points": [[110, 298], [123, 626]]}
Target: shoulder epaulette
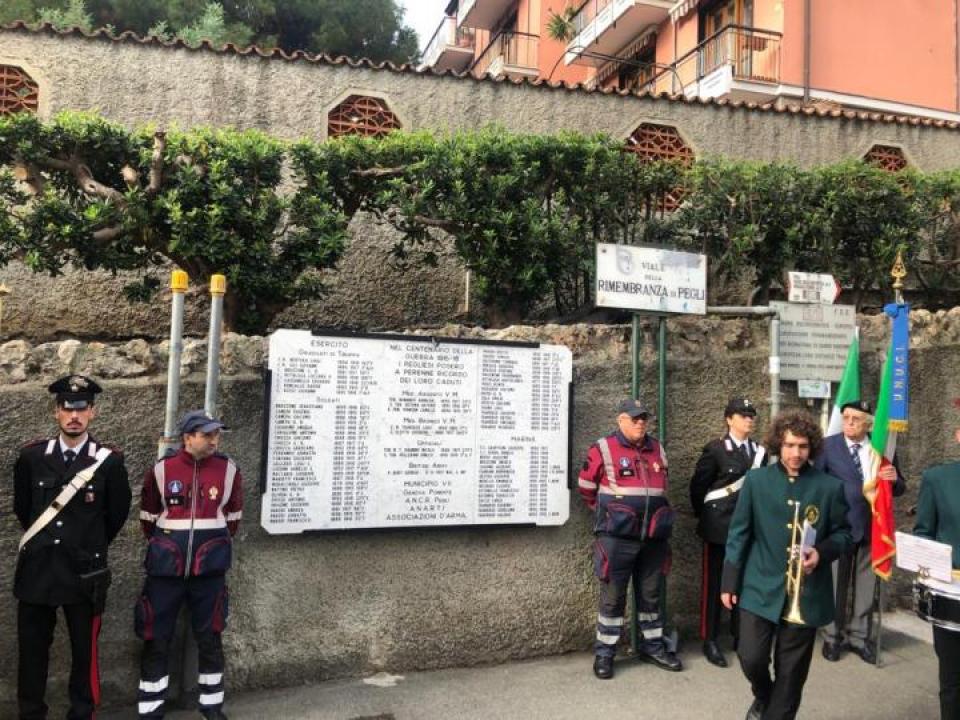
{"points": [[34, 441], [112, 448]]}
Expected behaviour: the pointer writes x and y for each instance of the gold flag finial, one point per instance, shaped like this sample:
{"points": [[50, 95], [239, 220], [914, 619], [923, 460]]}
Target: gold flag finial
{"points": [[899, 271]]}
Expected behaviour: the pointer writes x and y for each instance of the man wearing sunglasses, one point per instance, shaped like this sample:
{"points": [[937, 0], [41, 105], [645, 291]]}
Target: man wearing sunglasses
{"points": [[624, 482]]}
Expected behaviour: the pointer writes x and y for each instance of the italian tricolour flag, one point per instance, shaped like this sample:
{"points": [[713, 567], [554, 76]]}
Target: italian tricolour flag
{"points": [[849, 390], [883, 443]]}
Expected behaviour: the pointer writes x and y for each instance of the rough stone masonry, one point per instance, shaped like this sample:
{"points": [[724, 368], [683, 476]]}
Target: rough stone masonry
{"points": [[320, 606]]}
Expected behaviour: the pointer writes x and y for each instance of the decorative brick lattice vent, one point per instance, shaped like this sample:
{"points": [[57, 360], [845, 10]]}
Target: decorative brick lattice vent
{"points": [[361, 115], [650, 143], [18, 91], [886, 157]]}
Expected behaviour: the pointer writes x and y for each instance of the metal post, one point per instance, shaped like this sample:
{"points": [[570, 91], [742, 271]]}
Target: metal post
{"points": [[662, 380], [774, 366], [218, 286], [898, 273], [748, 310], [670, 635], [879, 589], [178, 286], [634, 393]]}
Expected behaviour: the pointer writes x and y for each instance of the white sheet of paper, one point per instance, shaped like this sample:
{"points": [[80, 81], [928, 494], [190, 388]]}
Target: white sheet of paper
{"points": [[927, 558], [809, 537]]}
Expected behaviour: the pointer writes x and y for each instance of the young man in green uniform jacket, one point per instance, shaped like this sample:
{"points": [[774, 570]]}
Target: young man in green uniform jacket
{"points": [[938, 518], [757, 551]]}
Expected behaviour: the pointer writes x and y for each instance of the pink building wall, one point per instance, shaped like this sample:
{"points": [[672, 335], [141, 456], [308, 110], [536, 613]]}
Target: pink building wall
{"points": [[901, 51]]}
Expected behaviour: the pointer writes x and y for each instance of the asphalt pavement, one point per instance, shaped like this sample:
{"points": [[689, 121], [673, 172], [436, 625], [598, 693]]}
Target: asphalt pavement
{"points": [[563, 688]]}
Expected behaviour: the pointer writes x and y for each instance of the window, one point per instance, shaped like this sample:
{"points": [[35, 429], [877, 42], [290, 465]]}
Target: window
{"points": [[639, 70], [361, 115], [886, 157], [18, 91], [659, 142], [650, 143], [715, 16]]}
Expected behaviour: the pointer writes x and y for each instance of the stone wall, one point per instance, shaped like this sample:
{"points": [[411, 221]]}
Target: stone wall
{"points": [[138, 83], [327, 605]]}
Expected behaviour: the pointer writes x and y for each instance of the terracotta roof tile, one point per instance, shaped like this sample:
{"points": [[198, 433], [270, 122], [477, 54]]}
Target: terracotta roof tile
{"points": [[406, 68]]}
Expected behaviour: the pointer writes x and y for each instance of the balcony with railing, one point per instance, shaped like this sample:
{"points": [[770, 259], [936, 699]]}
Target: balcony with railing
{"points": [[602, 27], [451, 47], [511, 54], [739, 62], [483, 14]]}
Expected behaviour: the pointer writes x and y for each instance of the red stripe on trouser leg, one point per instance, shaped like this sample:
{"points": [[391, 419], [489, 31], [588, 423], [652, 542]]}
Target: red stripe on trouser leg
{"points": [[704, 583], [94, 664]]}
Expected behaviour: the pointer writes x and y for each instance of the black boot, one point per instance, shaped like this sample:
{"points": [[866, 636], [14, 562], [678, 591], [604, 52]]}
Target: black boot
{"points": [[603, 667], [756, 711], [714, 655]]}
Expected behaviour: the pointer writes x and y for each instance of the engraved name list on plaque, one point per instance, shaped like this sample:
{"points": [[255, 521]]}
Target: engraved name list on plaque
{"points": [[406, 431]]}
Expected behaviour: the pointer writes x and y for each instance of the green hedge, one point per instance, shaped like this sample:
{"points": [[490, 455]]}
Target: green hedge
{"points": [[524, 211]]}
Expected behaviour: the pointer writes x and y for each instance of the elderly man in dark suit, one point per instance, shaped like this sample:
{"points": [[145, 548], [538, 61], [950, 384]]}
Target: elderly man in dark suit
{"points": [[846, 456]]}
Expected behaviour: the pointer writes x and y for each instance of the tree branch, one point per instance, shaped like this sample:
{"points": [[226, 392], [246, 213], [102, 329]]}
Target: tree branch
{"points": [[104, 235], [30, 175], [85, 178], [448, 225], [130, 176], [156, 163], [378, 172]]}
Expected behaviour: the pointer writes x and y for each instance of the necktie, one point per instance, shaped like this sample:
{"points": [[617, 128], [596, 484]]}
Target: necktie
{"points": [[745, 451], [68, 456], [855, 456]]}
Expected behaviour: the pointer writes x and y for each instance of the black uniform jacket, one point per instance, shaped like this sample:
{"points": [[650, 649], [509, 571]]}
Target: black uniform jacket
{"points": [[76, 540], [720, 464]]}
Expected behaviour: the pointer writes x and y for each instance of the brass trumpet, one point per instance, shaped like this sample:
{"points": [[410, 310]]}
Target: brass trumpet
{"points": [[795, 569]]}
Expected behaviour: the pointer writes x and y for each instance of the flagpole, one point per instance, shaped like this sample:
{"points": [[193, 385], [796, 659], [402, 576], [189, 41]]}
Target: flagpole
{"points": [[898, 272]]}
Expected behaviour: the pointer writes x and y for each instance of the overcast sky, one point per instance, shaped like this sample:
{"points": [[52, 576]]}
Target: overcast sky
{"points": [[423, 16]]}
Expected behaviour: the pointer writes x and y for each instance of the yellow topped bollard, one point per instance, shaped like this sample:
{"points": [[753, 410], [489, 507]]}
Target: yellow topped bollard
{"points": [[218, 284], [218, 288], [179, 281]]}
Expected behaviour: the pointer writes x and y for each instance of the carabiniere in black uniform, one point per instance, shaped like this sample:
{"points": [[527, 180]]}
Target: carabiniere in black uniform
{"points": [[57, 566], [714, 488]]}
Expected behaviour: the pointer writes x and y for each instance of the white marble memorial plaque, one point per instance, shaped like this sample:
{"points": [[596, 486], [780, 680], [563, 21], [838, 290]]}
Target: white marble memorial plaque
{"points": [[401, 431]]}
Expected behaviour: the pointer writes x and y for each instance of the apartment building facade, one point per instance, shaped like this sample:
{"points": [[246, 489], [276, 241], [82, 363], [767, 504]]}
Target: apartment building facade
{"points": [[887, 56]]}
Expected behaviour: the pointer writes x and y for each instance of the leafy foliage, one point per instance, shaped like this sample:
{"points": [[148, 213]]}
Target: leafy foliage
{"points": [[744, 214], [73, 15], [217, 205], [560, 25], [211, 25], [523, 212], [360, 28]]}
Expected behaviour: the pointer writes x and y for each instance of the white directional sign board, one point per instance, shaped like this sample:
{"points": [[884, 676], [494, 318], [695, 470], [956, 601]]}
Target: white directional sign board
{"points": [[651, 279], [402, 431], [812, 288], [814, 340]]}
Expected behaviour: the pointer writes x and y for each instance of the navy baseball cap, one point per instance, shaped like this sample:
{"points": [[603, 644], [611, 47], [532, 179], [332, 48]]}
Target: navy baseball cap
{"points": [[634, 408], [199, 421]]}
